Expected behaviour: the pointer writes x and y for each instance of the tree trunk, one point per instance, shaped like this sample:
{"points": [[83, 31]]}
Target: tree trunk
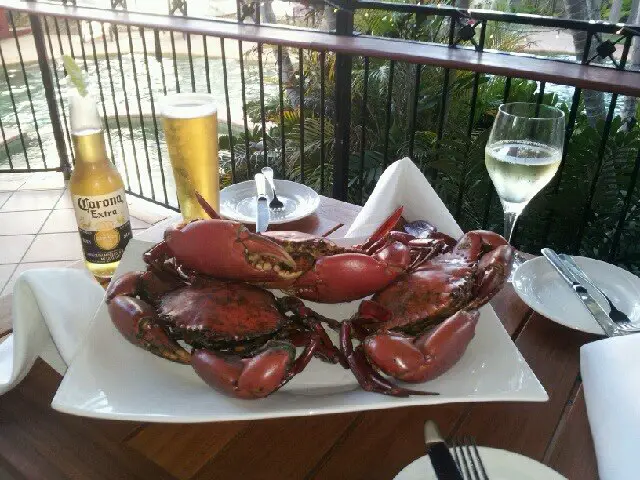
{"points": [[593, 101], [288, 72]]}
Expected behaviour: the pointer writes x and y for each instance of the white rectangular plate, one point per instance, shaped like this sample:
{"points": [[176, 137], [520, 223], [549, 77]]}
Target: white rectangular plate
{"points": [[111, 378]]}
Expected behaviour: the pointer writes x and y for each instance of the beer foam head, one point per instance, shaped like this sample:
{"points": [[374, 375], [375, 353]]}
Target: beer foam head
{"points": [[188, 105]]}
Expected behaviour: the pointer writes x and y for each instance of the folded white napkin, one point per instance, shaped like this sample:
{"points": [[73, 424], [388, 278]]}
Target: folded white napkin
{"points": [[52, 309], [610, 371], [403, 184]]}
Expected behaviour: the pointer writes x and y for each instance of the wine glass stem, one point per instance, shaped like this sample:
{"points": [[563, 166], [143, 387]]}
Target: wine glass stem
{"points": [[509, 223]]}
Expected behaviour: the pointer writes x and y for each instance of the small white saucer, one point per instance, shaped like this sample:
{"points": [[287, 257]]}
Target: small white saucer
{"points": [[238, 202], [539, 285], [499, 464]]}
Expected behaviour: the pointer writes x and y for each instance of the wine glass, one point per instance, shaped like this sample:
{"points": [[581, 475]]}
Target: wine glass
{"points": [[522, 155]]}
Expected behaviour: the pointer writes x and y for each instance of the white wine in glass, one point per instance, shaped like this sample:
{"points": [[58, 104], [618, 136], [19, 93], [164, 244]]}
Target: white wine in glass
{"points": [[522, 156]]}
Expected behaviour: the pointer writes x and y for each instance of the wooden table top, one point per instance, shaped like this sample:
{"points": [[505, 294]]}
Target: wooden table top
{"points": [[37, 442]]}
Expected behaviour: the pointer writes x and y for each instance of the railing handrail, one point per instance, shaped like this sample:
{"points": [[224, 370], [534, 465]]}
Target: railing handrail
{"points": [[593, 26], [582, 76]]}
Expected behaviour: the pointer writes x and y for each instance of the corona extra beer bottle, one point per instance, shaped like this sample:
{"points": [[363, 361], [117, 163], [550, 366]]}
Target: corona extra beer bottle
{"points": [[97, 192]]}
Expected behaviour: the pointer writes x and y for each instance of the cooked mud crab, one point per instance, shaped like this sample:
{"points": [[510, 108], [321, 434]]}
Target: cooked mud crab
{"points": [[243, 340], [204, 287]]}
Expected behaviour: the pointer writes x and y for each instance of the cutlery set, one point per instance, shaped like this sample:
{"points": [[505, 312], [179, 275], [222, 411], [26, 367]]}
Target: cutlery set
{"points": [[262, 201], [464, 464], [614, 322]]}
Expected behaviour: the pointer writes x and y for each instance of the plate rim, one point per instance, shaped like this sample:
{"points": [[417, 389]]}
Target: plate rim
{"points": [[536, 308], [503, 452], [312, 209]]}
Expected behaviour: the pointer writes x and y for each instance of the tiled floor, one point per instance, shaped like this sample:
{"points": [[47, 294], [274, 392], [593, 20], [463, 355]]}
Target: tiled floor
{"points": [[38, 227]]}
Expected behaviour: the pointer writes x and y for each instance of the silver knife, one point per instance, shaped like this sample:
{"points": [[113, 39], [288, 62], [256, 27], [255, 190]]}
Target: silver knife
{"points": [[441, 459], [262, 202], [587, 300]]}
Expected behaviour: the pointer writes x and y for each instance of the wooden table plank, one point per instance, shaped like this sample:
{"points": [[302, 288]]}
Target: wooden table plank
{"points": [[181, 449], [572, 453], [552, 352], [382, 442], [284, 448]]}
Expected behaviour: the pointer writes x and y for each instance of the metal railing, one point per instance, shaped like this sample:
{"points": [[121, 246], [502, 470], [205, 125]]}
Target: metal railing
{"points": [[332, 109]]}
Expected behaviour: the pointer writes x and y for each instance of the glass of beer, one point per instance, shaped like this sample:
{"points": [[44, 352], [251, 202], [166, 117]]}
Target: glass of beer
{"points": [[190, 123]]}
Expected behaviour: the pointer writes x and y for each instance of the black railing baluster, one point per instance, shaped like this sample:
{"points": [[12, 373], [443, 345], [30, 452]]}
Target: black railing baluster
{"points": [[193, 76], [387, 120], [115, 107], [153, 116], [28, 88], [615, 241], [247, 152], [140, 112], [50, 95], [160, 58], [13, 105], [207, 73], [283, 152], [65, 123], [226, 98], [540, 97], [127, 110], [102, 102], [175, 61], [66, 22], [84, 53], [414, 110], [263, 121], [363, 124], [5, 144], [490, 192], [586, 211], [343, 71], [322, 118], [301, 95]]}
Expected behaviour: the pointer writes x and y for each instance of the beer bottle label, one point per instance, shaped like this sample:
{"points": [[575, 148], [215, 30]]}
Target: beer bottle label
{"points": [[103, 223]]}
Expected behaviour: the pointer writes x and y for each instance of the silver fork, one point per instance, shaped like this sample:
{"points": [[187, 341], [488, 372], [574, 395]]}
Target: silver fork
{"points": [[275, 203], [467, 457]]}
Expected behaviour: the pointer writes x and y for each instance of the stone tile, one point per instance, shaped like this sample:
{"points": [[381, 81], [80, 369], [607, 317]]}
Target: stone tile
{"points": [[44, 181], [23, 267], [65, 201], [13, 247], [13, 181], [20, 223], [32, 200], [4, 196], [49, 247], [6, 272], [63, 220], [137, 224], [147, 211]]}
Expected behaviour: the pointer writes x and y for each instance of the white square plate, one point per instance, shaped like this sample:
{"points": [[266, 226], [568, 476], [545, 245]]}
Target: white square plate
{"points": [[111, 378]]}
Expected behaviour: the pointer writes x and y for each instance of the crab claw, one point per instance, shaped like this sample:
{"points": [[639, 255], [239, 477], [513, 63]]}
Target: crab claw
{"points": [[257, 376], [424, 358], [493, 270], [350, 276], [136, 320], [228, 250]]}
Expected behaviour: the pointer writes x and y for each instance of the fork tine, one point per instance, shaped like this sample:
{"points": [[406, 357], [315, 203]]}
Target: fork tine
{"points": [[474, 448], [456, 456], [469, 458]]}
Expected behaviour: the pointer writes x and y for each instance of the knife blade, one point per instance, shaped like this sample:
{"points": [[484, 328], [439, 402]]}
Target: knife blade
{"points": [[262, 203], [581, 292], [441, 459]]}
